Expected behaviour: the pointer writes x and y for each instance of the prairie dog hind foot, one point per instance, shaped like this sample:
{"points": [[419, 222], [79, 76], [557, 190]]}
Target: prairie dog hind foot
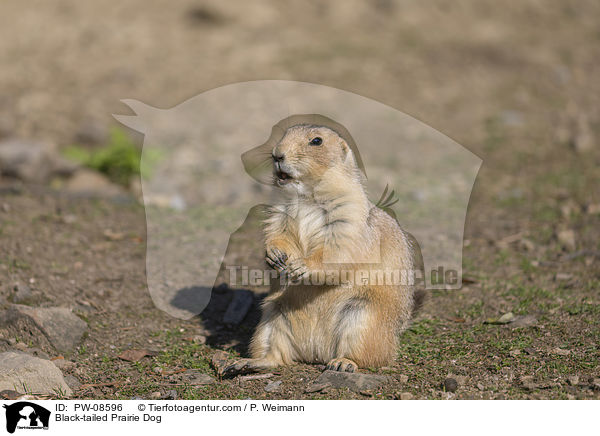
{"points": [[342, 364], [246, 366]]}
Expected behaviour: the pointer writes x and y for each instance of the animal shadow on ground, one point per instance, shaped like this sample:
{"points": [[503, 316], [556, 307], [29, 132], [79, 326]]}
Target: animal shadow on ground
{"points": [[244, 249]]}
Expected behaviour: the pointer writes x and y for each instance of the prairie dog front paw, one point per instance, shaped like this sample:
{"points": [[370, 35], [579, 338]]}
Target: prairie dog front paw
{"points": [[296, 269], [276, 259], [293, 269]]}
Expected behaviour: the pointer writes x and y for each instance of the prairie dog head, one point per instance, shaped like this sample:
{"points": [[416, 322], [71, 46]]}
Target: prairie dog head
{"points": [[308, 153]]}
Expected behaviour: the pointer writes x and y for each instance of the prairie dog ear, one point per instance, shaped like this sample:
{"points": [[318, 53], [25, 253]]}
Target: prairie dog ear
{"points": [[345, 148], [347, 155]]}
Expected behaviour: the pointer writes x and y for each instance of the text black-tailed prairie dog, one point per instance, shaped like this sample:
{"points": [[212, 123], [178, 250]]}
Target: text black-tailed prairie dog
{"points": [[327, 228]]}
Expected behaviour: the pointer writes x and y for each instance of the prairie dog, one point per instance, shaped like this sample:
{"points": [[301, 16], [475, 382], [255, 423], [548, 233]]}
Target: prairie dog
{"points": [[328, 226]]}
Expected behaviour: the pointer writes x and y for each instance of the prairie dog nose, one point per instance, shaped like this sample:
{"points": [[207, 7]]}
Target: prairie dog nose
{"points": [[277, 156]]}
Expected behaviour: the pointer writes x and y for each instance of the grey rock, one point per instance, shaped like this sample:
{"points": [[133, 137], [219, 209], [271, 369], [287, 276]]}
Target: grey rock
{"points": [[195, 377], [72, 382], [238, 308], [63, 364], [524, 321], [249, 377], [10, 395], [273, 386], [354, 381], [22, 372], [317, 387], [14, 324], [22, 160], [62, 327], [170, 395], [450, 385], [36, 352], [31, 161], [504, 319], [89, 183]]}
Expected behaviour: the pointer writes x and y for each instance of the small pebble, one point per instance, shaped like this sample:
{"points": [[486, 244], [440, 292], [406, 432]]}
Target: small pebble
{"points": [[199, 339], [65, 365], [450, 385], [9, 395], [72, 382], [170, 395], [273, 386], [317, 387]]}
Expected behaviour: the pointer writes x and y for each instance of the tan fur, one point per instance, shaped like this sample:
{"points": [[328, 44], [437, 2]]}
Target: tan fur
{"points": [[328, 224]]}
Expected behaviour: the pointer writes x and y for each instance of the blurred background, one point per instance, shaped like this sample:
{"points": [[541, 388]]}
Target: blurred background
{"points": [[478, 71], [66, 64], [516, 82]]}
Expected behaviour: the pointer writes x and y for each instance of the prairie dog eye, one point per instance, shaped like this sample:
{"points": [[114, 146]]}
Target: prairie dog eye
{"points": [[316, 141]]}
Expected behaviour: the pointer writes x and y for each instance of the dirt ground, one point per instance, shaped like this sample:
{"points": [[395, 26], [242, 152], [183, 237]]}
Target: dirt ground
{"points": [[515, 82]]}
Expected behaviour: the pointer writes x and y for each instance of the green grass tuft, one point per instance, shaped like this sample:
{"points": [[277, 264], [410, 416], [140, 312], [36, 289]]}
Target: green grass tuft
{"points": [[120, 159]]}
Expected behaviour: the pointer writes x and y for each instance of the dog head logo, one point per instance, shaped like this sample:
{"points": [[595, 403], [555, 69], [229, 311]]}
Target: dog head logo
{"points": [[26, 415]]}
